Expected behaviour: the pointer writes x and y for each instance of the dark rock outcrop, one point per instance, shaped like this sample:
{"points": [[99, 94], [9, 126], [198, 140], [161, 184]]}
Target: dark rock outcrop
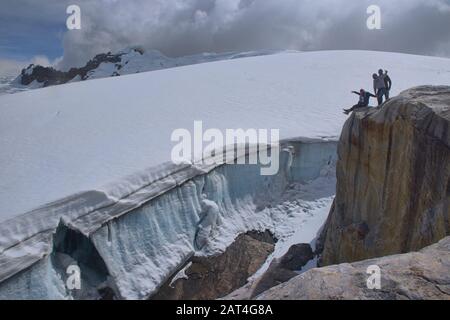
{"points": [[49, 76], [213, 277], [393, 179], [297, 256], [283, 269], [279, 271], [415, 275]]}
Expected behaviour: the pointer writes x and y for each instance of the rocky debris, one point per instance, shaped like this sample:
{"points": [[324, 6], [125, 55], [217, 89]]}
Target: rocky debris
{"points": [[214, 277], [279, 271], [393, 179], [415, 275], [49, 76]]}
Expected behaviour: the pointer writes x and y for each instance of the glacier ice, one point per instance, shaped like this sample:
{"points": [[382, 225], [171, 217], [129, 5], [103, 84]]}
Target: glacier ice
{"points": [[41, 281], [209, 219], [130, 244]]}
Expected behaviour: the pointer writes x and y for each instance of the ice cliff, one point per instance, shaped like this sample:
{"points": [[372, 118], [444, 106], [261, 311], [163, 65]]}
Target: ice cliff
{"points": [[130, 245]]}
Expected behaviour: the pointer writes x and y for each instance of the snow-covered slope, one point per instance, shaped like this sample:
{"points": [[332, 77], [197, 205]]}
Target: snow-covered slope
{"points": [[65, 139], [134, 61]]}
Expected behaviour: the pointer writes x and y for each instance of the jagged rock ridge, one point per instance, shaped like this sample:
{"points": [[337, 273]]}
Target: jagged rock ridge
{"points": [[49, 76]]}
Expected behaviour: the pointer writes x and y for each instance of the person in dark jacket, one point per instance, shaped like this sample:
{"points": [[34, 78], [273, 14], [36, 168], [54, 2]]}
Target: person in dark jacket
{"points": [[387, 82], [364, 97], [379, 87]]}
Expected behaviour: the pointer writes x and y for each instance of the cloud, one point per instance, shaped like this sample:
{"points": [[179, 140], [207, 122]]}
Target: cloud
{"points": [[181, 27], [12, 67], [42, 60]]}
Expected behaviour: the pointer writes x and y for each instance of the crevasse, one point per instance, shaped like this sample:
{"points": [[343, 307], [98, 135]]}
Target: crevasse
{"points": [[131, 254]]}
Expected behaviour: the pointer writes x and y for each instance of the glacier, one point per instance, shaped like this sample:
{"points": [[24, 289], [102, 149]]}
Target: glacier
{"points": [[86, 177], [72, 138], [135, 250]]}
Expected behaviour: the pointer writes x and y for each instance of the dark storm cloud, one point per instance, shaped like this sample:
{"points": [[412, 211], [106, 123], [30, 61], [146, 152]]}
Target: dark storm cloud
{"points": [[421, 28], [180, 27]]}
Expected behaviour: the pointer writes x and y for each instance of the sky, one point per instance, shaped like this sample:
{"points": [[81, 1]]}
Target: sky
{"points": [[35, 31]]}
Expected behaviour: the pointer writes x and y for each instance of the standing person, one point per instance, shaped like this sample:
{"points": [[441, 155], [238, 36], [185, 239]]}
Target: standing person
{"points": [[379, 86], [364, 98], [387, 82]]}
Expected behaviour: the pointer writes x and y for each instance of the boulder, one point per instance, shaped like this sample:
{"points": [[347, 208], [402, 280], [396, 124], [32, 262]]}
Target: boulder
{"points": [[410, 276], [296, 257]]}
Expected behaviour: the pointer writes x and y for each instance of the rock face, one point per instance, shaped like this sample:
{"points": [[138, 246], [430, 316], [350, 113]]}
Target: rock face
{"points": [[208, 278], [393, 179], [416, 275]]}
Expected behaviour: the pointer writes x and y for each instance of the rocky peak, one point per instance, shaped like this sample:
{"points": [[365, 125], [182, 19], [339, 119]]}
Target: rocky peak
{"points": [[48, 76]]}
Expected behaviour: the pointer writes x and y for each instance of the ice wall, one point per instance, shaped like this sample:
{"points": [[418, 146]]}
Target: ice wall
{"points": [[136, 252], [40, 281]]}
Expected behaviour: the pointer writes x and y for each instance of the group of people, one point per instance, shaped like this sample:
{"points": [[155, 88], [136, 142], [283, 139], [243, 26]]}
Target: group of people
{"points": [[382, 84]]}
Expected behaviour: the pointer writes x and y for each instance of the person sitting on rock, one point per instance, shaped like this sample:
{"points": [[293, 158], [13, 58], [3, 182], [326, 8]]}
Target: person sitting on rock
{"points": [[364, 97]]}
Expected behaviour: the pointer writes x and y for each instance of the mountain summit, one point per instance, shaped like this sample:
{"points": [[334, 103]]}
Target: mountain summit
{"points": [[128, 61]]}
